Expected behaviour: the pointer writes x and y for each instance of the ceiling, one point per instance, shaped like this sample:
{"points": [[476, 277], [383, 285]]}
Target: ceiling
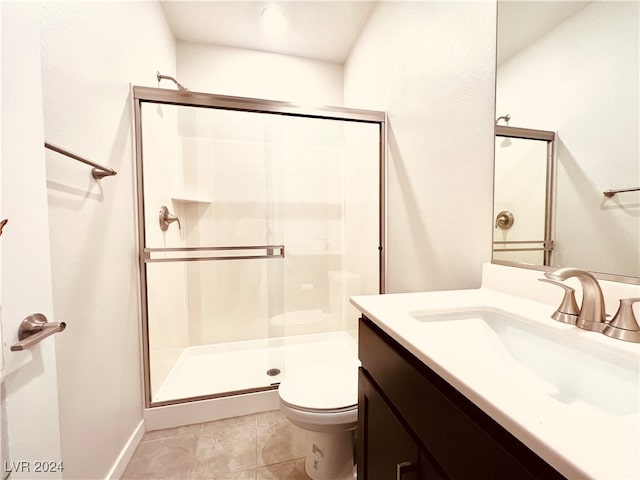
{"points": [[322, 30], [327, 30], [521, 23]]}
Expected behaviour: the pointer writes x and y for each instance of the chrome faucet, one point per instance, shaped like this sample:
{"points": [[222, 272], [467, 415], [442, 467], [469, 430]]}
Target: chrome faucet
{"points": [[592, 313]]}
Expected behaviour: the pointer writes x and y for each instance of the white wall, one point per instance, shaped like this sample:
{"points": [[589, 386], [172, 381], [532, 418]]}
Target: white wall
{"points": [[431, 66], [581, 80], [91, 51], [254, 74]]}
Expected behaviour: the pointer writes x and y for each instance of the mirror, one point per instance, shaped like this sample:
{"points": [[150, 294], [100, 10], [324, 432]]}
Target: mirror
{"points": [[572, 68], [524, 162]]}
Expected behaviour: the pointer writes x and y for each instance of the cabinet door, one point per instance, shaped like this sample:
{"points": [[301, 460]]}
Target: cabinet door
{"points": [[385, 450]]}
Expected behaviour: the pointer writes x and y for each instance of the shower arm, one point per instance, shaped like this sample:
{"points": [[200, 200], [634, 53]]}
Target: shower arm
{"points": [[506, 119], [159, 76]]}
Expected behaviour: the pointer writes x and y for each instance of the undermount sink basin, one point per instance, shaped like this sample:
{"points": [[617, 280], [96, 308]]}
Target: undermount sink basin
{"points": [[553, 360]]}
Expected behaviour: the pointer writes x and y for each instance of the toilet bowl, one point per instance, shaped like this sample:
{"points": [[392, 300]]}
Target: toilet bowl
{"points": [[323, 399]]}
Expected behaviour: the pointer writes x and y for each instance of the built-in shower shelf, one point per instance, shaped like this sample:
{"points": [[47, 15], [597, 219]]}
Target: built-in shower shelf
{"points": [[189, 199]]}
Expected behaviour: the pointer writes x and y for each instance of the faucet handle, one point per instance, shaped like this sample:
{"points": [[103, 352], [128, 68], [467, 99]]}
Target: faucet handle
{"points": [[165, 219], [568, 311], [624, 325]]}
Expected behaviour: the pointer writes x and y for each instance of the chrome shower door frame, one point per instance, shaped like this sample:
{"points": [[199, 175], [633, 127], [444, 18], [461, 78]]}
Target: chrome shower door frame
{"points": [[160, 96], [549, 217]]}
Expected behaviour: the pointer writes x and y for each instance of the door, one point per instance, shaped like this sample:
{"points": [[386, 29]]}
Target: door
{"points": [[209, 194], [385, 448], [378, 457], [30, 440]]}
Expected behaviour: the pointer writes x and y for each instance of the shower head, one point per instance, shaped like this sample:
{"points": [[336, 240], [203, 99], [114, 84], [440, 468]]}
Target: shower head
{"points": [[506, 119], [505, 143], [159, 76]]}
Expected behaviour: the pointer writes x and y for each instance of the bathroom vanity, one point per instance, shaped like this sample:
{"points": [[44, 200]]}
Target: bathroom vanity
{"points": [[484, 384], [415, 425]]}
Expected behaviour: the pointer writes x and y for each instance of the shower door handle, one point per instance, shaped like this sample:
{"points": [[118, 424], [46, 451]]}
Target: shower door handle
{"points": [[237, 252]]}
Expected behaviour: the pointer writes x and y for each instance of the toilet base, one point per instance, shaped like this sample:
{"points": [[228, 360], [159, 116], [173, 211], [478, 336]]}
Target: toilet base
{"points": [[330, 456]]}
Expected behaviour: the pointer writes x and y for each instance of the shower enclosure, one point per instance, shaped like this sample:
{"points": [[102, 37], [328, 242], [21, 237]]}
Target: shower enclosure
{"points": [[257, 221], [524, 191]]}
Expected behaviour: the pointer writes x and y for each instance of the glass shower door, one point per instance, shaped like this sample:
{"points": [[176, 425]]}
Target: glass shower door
{"points": [[213, 249], [331, 230]]}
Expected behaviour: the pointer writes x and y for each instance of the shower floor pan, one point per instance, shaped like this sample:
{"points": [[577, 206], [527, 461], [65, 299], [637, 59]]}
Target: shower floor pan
{"points": [[237, 366]]}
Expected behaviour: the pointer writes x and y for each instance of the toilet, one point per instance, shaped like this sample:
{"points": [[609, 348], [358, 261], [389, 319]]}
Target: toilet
{"points": [[323, 399]]}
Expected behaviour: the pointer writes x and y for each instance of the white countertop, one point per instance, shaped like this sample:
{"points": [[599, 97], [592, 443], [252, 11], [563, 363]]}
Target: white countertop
{"points": [[577, 439]]}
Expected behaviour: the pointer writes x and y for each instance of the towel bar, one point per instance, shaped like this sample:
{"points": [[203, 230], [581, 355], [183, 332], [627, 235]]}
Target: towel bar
{"points": [[98, 171], [611, 193]]}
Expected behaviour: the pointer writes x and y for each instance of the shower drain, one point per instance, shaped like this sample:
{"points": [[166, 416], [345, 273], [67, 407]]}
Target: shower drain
{"points": [[272, 372]]}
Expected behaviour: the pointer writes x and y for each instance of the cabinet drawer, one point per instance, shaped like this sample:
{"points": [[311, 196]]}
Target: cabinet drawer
{"points": [[465, 441]]}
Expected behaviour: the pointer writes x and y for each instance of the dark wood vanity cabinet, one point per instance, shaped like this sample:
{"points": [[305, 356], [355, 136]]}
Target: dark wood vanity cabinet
{"points": [[413, 425]]}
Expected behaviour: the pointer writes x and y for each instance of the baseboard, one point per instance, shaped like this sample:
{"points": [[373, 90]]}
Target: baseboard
{"points": [[170, 416], [119, 466]]}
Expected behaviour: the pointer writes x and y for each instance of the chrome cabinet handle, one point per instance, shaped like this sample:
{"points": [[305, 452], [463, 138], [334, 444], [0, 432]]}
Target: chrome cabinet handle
{"points": [[35, 328], [403, 468]]}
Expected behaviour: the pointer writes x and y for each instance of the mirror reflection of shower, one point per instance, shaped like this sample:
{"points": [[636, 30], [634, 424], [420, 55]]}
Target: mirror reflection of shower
{"points": [[523, 189]]}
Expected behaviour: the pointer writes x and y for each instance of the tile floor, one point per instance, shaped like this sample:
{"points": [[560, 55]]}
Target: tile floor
{"points": [[264, 446]]}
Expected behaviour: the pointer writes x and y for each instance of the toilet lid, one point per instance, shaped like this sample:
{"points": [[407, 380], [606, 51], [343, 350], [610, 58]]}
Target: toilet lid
{"points": [[321, 387]]}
